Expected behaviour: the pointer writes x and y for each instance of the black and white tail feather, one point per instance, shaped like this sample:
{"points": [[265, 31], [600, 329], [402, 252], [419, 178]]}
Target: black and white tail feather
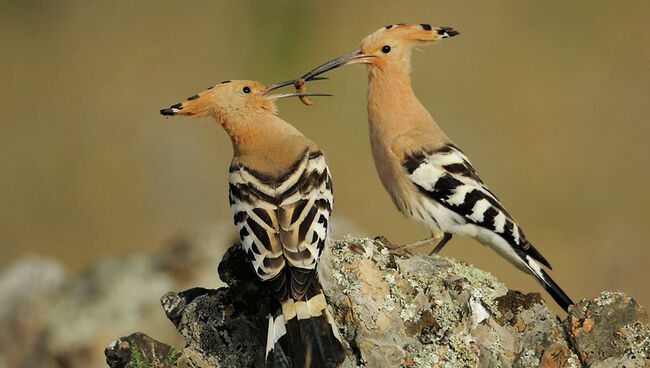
{"points": [[283, 225], [455, 200], [302, 333]]}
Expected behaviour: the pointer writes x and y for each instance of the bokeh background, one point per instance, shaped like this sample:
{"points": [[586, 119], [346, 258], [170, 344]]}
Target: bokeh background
{"points": [[550, 99]]}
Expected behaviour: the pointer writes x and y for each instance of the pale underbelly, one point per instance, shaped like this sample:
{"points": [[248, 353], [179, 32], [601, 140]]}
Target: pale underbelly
{"points": [[437, 217]]}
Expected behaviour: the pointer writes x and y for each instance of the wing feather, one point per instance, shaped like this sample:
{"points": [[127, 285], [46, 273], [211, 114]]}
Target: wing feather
{"points": [[305, 222], [447, 176], [283, 224]]}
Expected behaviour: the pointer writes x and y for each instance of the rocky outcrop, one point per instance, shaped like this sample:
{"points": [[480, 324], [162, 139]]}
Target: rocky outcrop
{"points": [[397, 310], [612, 330], [140, 351]]}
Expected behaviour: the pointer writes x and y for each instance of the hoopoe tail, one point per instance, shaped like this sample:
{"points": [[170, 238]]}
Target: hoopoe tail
{"points": [[556, 292], [303, 334]]}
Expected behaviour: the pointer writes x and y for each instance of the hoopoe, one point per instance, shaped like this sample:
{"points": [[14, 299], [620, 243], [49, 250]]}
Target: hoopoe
{"points": [[429, 178], [281, 199]]}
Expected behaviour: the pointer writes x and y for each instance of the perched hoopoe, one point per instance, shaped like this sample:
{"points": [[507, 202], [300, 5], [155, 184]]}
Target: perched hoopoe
{"points": [[281, 200], [428, 177]]}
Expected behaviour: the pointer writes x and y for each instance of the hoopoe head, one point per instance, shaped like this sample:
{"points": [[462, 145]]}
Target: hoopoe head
{"points": [[388, 47], [233, 100]]}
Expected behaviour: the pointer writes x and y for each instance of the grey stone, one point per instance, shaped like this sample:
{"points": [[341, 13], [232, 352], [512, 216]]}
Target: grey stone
{"points": [[393, 310], [140, 351], [612, 330]]}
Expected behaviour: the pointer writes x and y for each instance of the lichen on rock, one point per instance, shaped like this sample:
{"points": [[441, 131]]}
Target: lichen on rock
{"points": [[612, 330], [400, 310]]}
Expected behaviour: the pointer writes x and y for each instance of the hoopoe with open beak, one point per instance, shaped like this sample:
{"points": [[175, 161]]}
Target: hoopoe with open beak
{"points": [[428, 177], [281, 199]]}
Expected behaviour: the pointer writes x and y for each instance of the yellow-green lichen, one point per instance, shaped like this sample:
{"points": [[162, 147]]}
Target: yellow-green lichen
{"points": [[409, 312]]}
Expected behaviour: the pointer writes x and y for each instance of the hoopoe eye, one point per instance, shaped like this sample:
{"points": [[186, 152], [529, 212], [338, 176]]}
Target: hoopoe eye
{"points": [[246, 89], [385, 49]]}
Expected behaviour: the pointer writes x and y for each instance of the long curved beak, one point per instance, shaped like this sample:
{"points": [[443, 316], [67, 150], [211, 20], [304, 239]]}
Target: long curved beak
{"points": [[297, 94], [290, 82], [354, 57]]}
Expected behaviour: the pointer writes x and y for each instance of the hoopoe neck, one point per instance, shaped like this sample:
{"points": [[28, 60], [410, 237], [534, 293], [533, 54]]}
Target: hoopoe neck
{"points": [[391, 100], [266, 144], [256, 133], [393, 108]]}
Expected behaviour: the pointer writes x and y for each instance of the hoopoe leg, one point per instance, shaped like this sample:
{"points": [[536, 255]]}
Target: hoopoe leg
{"points": [[445, 238], [419, 243], [435, 238]]}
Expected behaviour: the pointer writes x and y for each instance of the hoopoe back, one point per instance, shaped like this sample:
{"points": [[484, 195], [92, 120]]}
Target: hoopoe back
{"points": [[280, 193]]}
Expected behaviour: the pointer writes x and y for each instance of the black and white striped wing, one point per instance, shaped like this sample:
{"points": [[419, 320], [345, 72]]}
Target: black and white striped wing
{"points": [[446, 176], [303, 216], [285, 222], [254, 210]]}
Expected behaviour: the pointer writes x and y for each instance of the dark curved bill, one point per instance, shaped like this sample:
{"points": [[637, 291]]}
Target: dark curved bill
{"points": [[300, 94], [356, 56], [290, 82]]}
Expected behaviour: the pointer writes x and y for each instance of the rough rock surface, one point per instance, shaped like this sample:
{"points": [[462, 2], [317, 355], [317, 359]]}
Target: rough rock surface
{"points": [[412, 311], [140, 351], [612, 330]]}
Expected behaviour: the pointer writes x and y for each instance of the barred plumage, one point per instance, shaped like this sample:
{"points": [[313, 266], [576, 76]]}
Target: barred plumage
{"points": [[446, 176], [284, 222], [428, 178], [280, 194]]}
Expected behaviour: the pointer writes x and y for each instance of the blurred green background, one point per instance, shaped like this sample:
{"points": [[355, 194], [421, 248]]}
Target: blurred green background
{"points": [[550, 99]]}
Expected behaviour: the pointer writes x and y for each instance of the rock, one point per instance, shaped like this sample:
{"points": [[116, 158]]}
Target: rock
{"points": [[414, 310], [140, 351], [397, 310], [612, 330], [232, 327], [393, 310], [231, 331]]}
